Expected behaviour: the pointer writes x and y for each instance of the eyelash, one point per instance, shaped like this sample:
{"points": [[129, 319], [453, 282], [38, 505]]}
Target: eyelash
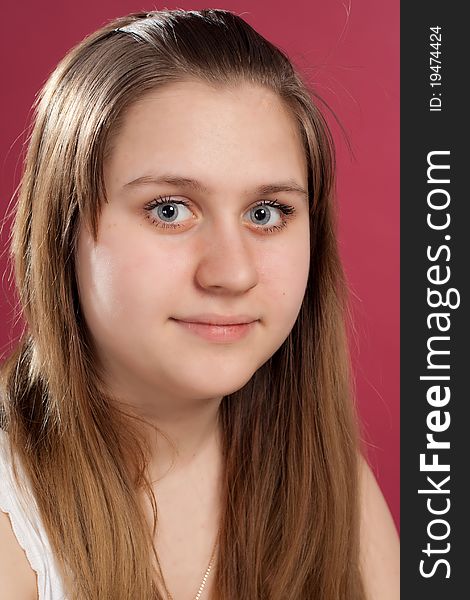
{"points": [[286, 210]]}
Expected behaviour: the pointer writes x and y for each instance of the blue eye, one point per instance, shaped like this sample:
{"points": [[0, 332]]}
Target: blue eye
{"points": [[267, 216], [168, 213], [272, 213], [263, 214]]}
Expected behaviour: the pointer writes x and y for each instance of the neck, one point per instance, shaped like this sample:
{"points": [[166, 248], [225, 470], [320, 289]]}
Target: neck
{"points": [[184, 433], [186, 442], [179, 435]]}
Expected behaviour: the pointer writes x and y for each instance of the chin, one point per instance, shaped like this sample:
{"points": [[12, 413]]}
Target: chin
{"points": [[218, 386]]}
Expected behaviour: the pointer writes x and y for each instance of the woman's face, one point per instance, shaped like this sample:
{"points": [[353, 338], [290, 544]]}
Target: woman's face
{"points": [[200, 226]]}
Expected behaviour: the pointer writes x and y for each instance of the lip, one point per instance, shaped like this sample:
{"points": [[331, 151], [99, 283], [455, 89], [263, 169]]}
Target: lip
{"points": [[214, 319], [218, 328]]}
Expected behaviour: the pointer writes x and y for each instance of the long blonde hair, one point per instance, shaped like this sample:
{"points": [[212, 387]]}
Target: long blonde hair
{"points": [[289, 526]]}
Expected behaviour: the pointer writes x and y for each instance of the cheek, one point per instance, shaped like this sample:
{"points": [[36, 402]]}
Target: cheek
{"points": [[125, 275], [285, 274], [106, 278]]}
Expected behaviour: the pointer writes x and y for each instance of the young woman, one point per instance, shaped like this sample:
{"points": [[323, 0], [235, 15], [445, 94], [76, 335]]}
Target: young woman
{"points": [[177, 419]]}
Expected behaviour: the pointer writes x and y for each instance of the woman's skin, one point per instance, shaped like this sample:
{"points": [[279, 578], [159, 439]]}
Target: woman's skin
{"points": [[140, 276], [143, 276]]}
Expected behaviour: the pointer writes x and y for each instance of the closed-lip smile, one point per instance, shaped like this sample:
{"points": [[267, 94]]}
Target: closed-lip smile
{"points": [[213, 319], [222, 329]]}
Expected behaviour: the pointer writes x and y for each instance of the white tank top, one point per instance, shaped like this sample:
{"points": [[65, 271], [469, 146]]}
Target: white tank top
{"points": [[28, 528]]}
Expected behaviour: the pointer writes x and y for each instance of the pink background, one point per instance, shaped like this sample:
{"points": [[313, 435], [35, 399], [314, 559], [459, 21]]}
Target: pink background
{"points": [[350, 49]]}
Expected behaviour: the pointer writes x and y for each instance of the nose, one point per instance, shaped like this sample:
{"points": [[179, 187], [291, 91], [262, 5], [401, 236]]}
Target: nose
{"points": [[227, 262]]}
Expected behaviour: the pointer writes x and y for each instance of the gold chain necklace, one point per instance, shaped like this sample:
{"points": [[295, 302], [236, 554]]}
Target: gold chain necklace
{"points": [[204, 579]]}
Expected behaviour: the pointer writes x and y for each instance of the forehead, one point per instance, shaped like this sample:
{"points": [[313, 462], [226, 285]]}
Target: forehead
{"points": [[227, 134]]}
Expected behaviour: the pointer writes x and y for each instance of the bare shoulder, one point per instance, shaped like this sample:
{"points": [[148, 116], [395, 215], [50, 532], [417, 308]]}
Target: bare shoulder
{"points": [[17, 578], [380, 551]]}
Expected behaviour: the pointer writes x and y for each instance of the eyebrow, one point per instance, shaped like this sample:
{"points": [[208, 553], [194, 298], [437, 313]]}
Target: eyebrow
{"points": [[194, 184]]}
